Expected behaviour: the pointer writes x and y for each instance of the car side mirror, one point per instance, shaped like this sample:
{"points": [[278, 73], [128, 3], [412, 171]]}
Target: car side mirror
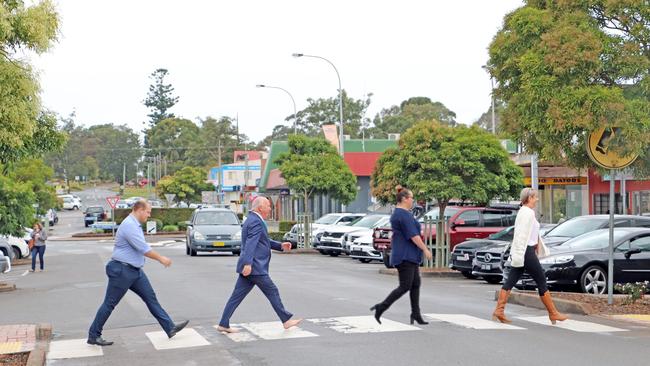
{"points": [[458, 223], [629, 253]]}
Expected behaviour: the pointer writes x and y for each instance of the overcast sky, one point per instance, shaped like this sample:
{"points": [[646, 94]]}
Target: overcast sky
{"points": [[217, 51]]}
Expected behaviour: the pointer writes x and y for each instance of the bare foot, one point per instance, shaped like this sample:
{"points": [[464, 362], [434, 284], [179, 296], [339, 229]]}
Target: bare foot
{"points": [[291, 323], [227, 330]]}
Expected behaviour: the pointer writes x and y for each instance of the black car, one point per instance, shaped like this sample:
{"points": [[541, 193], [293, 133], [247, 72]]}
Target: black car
{"points": [[487, 259], [582, 261], [94, 214], [463, 255]]}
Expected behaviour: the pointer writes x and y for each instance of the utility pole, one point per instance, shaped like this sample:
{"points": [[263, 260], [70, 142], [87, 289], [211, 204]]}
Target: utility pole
{"points": [[220, 176], [123, 177]]}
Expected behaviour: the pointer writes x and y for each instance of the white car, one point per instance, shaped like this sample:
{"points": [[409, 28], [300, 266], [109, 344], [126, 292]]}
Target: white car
{"points": [[19, 245], [331, 242], [71, 196], [350, 237], [363, 250], [70, 203], [319, 226]]}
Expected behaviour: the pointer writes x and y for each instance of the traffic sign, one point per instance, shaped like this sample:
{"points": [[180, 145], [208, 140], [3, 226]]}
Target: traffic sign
{"points": [[112, 201], [601, 154], [170, 197]]}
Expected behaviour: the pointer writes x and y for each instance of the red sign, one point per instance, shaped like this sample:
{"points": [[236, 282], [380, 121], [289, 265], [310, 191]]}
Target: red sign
{"points": [[112, 201]]}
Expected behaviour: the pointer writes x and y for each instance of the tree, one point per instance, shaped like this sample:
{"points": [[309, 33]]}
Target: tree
{"points": [[485, 121], [115, 147], [34, 174], [398, 119], [326, 111], [443, 163], [16, 210], [567, 68], [173, 139], [280, 133], [160, 98], [313, 166], [187, 184], [222, 131]]}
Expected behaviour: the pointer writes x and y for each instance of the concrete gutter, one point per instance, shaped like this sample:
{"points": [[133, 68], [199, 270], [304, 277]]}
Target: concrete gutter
{"points": [[532, 300], [38, 355]]}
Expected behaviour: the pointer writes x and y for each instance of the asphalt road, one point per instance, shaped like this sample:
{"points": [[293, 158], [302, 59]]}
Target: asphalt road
{"points": [[333, 293]]}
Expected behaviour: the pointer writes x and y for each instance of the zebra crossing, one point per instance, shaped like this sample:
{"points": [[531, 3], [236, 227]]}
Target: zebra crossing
{"points": [[351, 325]]}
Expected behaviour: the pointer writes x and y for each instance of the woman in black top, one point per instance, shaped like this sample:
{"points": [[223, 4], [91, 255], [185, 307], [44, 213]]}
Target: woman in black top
{"points": [[406, 255]]}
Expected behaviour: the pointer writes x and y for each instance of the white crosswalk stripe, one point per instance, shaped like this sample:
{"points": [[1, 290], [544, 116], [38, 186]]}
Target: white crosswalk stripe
{"points": [[471, 322], [188, 337], [268, 331], [362, 324], [72, 348], [573, 325]]}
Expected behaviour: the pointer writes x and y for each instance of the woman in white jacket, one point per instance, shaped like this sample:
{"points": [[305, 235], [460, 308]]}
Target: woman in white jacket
{"points": [[526, 247]]}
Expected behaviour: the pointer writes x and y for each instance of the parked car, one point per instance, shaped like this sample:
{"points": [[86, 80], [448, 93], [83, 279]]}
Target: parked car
{"points": [[213, 230], [5, 264], [6, 249], [579, 225], [18, 245], [73, 196], [94, 214], [465, 222], [583, 261], [122, 204], [156, 203], [363, 250], [332, 240], [350, 237], [70, 203], [319, 226], [52, 217]]}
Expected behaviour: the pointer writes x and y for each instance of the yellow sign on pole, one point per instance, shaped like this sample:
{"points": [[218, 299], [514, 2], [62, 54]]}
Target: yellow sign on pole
{"points": [[599, 152]]}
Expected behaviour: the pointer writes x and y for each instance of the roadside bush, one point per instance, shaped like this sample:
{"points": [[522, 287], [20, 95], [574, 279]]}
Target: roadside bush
{"points": [[286, 225], [168, 228], [182, 225], [168, 216], [277, 235], [634, 291], [75, 186]]}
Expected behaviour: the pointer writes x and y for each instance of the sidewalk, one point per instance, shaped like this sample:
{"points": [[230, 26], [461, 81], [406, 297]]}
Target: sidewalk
{"points": [[17, 338]]}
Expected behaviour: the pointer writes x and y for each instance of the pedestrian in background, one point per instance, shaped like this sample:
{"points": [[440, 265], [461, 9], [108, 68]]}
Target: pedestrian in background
{"points": [[406, 255], [39, 236], [125, 273], [526, 249]]}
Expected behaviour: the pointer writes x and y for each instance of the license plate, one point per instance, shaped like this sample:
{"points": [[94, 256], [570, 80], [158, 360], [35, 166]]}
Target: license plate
{"points": [[218, 244], [486, 267], [464, 257]]}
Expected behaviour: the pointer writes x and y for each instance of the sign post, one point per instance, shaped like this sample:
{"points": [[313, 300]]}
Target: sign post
{"points": [[599, 151], [112, 201]]}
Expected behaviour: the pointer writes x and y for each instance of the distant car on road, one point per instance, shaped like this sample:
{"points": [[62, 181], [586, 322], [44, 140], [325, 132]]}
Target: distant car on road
{"points": [[70, 203], [94, 214]]}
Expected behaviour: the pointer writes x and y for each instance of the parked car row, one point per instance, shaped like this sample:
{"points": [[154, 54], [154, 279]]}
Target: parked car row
{"points": [[12, 248], [70, 201]]}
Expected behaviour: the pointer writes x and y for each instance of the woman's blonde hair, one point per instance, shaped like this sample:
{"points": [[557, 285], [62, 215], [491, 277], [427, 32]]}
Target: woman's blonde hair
{"points": [[526, 194], [40, 226]]}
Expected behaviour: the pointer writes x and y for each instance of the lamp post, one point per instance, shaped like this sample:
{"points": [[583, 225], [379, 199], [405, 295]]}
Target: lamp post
{"points": [[340, 96], [295, 131]]}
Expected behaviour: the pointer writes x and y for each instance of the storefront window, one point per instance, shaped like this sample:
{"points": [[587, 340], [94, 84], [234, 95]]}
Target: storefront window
{"points": [[641, 202], [601, 204]]}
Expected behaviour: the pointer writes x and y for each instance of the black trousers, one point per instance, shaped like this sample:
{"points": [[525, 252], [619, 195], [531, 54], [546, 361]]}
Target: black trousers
{"points": [[532, 267], [409, 281]]}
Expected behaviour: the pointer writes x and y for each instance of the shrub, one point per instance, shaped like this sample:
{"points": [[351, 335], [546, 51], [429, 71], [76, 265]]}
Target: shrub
{"points": [[168, 228], [182, 225], [168, 216], [240, 216], [286, 225], [635, 291], [277, 235]]}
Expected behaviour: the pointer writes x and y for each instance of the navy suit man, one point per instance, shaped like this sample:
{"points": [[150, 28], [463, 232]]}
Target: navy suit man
{"points": [[253, 267]]}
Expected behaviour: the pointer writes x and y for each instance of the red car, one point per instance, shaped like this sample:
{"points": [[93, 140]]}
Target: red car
{"points": [[465, 222]]}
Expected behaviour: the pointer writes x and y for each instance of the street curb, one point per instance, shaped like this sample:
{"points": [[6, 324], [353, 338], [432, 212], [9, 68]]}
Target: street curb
{"points": [[300, 251], [38, 355], [93, 238], [532, 300], [437, 274], [6, 287]]}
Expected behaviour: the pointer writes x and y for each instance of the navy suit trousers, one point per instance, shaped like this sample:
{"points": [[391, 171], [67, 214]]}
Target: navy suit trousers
{"points": [[122, 278], [243, 286]]}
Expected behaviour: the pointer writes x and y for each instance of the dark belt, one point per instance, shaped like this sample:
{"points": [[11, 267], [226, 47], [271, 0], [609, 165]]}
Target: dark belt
{"points": [[126, 264]]}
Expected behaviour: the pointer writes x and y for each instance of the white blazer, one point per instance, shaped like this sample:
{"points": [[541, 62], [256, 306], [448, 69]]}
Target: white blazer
{"points": [[523, 227]]}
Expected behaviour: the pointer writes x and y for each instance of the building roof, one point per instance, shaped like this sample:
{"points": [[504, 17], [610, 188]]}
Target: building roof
{"points": [[372, 145], [362, 163], [275, 180], [277, 148]]}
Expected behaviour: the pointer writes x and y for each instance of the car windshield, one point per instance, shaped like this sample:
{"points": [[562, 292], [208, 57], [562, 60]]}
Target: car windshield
{"points": [[598, 239], [216, 218], [327, 219], [506, 234], [435, 213], [575, 227], [95, 210], [368, 221]]}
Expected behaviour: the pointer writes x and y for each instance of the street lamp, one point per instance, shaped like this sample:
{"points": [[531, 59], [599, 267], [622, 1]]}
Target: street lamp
{"points": [[340, 96], [295, 131]]}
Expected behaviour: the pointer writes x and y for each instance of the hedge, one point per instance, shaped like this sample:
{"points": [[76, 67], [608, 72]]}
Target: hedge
{"points": [[277, 235], [168, 228], [286, 225], [182, 225], [168, 216]]}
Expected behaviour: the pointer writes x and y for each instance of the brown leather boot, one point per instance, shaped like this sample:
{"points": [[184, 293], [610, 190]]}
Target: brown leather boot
{"points": [[501, 306], [553, 314]]}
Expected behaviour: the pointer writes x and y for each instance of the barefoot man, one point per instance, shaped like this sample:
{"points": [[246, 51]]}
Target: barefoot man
{"points": [[253, 267]]}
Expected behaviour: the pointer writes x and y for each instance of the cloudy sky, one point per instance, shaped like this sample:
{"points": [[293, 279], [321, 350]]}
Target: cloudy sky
{"points": [[217, 51]]}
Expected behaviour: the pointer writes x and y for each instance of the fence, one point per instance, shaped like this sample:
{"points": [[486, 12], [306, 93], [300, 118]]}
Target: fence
{"points": [[304, 230], [438, 245]]}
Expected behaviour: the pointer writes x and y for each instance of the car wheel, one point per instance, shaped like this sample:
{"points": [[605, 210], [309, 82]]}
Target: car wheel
{"points": [[193, 252], [364, 260], [75, 208], [86, 224], [386, 258], [17, 252], [492, 279], [236, 252], [187, 250], [322, 252], [593, 280], [334, 253], [468, 274]]}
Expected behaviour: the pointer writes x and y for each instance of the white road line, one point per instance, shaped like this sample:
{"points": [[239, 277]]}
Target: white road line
{"points": [[241, 336], [471, 322], [187, 337], [362, 324], [573, 325], [275, 330], [72, 348]]}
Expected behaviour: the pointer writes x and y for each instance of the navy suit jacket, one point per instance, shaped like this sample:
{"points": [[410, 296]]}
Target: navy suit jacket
{"points": [[256, 246]]}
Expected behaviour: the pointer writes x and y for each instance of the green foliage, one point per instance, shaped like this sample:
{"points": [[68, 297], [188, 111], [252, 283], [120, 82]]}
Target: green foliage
{"points": [[182, 225], [566, 68], [160, 97], [397, 119], [286, 225], [16, 209], [635, 291], [326, 111], [276, 235], [169, 228], [187, 184], [313, 166], [167, 216], [34, 174], [443, 163], [170, 138]]}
